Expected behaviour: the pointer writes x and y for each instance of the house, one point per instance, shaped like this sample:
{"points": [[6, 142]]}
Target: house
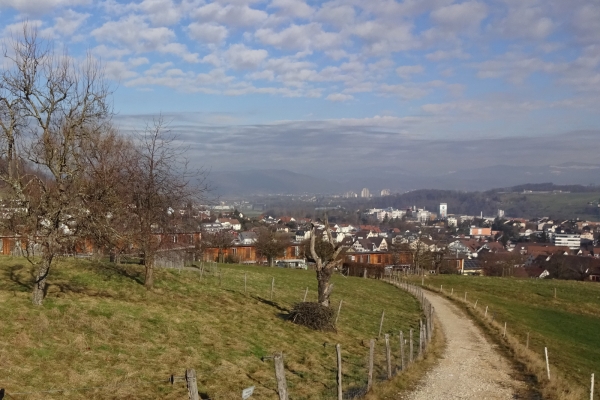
{"points": [[229, 223], [467, 247], [212, 227], [471, 267], [302, 235], [363, 245], [247, 238], [379, 244], [480, 232]]}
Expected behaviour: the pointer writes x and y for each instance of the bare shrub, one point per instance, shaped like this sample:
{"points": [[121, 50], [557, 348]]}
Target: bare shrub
{"points": [[313, 315]]}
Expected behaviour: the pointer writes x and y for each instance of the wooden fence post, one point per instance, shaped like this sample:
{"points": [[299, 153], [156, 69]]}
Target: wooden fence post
{"points": [[592, 389], [338, 349], [420, 337], [485, 315], [410, 345], [192, 385], [547, 362], [441, 289], [388, 356], [381, 324], [465, 296], [305, 294], [401, 351], [371, 355], [280, 375], [452, 292], [504, 333], [338, 312], [272, 286]]}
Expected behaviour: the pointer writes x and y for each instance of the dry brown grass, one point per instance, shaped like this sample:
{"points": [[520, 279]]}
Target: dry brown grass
{"points": [[100, 327]]}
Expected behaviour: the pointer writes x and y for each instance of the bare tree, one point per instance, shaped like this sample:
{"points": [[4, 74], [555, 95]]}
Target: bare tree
{"points": [[50, 108], [327, 255], [270, 244], [221, 240], [159, 183]]}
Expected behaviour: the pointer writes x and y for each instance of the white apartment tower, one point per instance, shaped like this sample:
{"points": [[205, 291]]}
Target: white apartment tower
{"points": [[365, 193], [443, 211]]}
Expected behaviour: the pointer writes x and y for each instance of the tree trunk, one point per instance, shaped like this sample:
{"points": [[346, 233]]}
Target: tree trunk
{"points": [[149, 280], [39, 286], [324, 287]]}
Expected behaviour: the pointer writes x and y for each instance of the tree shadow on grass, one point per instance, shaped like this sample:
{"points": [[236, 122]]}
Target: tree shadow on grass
{"points": [[129, 271], [21, 276], [270, 303]]}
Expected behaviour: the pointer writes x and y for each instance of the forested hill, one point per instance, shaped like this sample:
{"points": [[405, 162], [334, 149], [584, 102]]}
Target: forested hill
{"points": [[555, 201]]}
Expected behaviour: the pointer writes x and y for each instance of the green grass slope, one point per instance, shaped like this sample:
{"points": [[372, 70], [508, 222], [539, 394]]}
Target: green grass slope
{"points": [[569, 325], [99, 327]]}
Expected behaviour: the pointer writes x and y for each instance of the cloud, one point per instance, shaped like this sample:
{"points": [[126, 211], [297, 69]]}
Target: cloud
{"points": [[382, 37], [292, 8], [66, 24], [440, 55], [39, 7], [337, 15], [135, 34], [406, 71], [404, 91], [299, 37], [240, 57], [460, 17], [525, 21], [339, 97], [237, 16], [208, 33]]}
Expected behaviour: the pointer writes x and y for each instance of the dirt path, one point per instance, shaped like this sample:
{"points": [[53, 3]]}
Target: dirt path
{"points": [[471, 367]]}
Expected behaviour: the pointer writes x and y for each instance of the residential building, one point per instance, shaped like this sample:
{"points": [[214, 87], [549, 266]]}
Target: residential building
{"points": [[479, 232], [365, 193], [571, 240], [385, 192], [443, 210]]}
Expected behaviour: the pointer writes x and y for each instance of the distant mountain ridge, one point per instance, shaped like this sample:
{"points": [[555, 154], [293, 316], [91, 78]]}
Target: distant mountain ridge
{"points": [[281, 181]]}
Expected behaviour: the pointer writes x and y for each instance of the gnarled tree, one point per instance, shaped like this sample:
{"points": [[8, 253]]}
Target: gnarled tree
{"points": [[327, 256], [50, 110]]}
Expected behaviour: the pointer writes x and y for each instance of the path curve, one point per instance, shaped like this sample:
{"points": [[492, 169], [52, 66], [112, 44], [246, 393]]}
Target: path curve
{"points": [[471, 367]]}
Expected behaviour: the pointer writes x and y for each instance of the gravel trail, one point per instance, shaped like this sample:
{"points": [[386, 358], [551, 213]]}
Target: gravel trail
{"points": [[471, 367]]}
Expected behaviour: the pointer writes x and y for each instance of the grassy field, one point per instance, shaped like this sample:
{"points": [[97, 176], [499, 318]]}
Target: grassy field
{"points": [[99, 327], [569, 325], [556, 205]]}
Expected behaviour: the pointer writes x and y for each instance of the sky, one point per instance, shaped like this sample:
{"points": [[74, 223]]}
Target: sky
{"points": [[345, 87]]}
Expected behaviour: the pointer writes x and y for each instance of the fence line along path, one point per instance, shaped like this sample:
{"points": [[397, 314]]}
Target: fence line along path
{"points": [[471, 367]]}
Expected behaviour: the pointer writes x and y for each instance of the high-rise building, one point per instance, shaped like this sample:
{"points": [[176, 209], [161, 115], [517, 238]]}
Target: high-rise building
{"points": [[443, 210], [365, 193], [500, 213], [385, 192]]}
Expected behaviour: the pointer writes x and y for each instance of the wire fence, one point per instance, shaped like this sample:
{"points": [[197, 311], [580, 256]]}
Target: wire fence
{"points": [[539, 364], [388, 356]]}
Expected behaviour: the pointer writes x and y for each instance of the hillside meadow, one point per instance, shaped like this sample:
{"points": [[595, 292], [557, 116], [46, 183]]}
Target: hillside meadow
{"points": [[568, 324], [101, 331]]}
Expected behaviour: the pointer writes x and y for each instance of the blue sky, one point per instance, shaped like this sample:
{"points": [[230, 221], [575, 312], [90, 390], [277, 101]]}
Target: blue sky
{"points": [[339, 81]]}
